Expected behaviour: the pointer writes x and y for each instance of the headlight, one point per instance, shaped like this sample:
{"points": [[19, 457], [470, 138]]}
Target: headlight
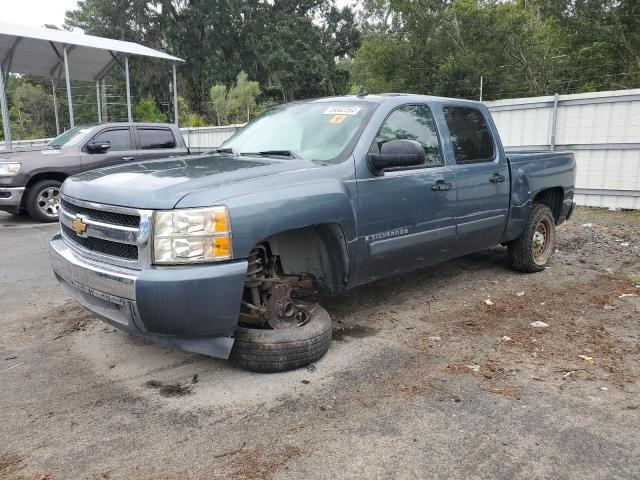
{"points": [[194, 235], [9, 169]]}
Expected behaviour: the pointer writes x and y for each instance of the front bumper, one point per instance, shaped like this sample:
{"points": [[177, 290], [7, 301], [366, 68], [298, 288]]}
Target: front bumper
{"points": [[11, 198], [194, 308]]}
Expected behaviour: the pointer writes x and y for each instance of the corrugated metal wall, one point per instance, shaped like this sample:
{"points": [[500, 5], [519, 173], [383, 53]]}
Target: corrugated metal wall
{"points": [[208, 137], [602, 129]]}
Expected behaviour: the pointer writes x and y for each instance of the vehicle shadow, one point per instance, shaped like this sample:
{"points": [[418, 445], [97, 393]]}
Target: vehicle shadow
{"points": [[9, 220]]}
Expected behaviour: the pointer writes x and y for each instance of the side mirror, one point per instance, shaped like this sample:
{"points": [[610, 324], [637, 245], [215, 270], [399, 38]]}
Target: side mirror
{"points": [[98, 147], [397, 154]]}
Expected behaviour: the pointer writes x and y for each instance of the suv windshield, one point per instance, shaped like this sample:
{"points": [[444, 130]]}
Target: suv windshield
{"points": [[312, 131], [70, 137]]}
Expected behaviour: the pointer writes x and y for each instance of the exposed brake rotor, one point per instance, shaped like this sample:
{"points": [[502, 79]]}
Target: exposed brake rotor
{"points": [[282, 312]]}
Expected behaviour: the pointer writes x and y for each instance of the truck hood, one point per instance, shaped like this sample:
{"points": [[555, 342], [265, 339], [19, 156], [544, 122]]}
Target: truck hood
{"points": [[30, 154], [161, 184]]}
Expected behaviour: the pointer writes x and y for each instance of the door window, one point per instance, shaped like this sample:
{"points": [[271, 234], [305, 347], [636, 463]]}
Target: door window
{"points": [[470, 135], [154, 138], [120, 139], [412, 122]]}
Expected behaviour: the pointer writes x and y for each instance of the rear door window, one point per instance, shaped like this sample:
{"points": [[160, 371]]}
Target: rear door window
{"points": [[156, 138], [470, 135], [119, 138]]}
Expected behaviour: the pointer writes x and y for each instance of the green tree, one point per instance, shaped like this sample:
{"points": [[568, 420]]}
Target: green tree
{"points": [[146, 110], [238, 103], [519, 47]]}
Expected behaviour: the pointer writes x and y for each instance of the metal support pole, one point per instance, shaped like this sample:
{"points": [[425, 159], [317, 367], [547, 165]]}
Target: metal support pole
{"points": [[98, 101], [66, 75], [175, 96], [126, 73], [5, 111], [55, 105], [104, 101], [481, 87], [554, 120]]}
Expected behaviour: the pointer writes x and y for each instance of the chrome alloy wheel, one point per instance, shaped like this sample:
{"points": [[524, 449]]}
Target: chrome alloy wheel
{"points": [[48, 201]]}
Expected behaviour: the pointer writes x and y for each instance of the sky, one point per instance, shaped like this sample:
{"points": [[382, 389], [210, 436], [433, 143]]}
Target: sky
{"points": [[36, 13]]}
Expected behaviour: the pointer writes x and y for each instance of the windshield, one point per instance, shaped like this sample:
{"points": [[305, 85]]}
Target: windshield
{"points": [[70, 137], [311, 131]]}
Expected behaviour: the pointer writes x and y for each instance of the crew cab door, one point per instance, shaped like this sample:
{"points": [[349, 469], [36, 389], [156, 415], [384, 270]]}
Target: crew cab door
{"points": [[158, 142], [121, 149], [406, 217], [482, 179]]}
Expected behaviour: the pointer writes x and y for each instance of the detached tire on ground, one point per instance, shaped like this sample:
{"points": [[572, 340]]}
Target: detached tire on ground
{"points": [[41, 200], [265, 350], [531, 252]]}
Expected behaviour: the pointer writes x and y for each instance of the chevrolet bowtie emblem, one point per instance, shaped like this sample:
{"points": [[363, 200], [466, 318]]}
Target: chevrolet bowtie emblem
{"points": [[79, 226]]}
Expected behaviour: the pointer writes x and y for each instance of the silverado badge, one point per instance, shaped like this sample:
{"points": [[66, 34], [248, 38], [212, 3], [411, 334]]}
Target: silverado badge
{"points": [[79, 226]]}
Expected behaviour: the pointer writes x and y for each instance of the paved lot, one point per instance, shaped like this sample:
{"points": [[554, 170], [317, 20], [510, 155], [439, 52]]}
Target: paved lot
{"points": [[423, 379]]}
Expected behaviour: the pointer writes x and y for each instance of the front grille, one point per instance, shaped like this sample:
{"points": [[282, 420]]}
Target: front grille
{"points": [[104, 247], [113, 218]]}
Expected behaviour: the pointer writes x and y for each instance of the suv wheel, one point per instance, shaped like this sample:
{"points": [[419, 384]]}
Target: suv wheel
{"points": [[42, 200]]}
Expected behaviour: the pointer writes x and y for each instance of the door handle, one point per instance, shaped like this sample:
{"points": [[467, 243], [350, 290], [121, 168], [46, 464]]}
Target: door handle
{"points": [[497, 178], [441, 186], [128, 159]]}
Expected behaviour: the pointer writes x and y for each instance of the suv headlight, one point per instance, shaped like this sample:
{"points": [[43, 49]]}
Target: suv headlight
{"points": [[9, 169], [192, 235]]}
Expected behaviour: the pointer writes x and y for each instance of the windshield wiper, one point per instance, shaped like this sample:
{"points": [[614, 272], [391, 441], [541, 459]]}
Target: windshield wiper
{"points": [[273, 153], [222, 150]]}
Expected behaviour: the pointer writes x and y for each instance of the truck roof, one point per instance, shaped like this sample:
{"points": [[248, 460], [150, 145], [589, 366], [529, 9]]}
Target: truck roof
{"points": [[125, 124], [382, 97]]}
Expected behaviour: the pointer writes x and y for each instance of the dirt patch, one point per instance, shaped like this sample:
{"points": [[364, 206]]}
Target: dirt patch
{"points": [[9, 463], [258, 463], [169, 389], [71, 317], [423, 374], [511, 392], [344, 332]]}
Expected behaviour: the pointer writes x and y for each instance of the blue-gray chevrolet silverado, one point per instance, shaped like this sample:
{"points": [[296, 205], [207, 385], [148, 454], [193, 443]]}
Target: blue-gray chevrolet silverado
{"points": [[217, 253]]}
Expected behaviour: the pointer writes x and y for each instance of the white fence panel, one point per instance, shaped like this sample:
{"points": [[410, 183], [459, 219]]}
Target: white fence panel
{"points": [[602, 129], [208, 137]]}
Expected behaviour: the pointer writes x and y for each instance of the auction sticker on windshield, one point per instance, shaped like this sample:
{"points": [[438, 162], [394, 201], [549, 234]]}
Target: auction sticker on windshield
{"points": [[336, 119], [342, 110]]}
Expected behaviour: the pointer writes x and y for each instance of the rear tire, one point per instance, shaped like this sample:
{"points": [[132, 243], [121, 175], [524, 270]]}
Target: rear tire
{"points": [[266, 350], [531, 252], [42, 199]]}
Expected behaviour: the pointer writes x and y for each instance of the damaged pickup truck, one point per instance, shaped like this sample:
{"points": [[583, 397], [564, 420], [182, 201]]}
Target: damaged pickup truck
{"points": [[217, 253]]}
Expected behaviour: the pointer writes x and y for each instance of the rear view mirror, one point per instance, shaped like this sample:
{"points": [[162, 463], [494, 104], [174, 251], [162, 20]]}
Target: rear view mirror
{"points": [[397, 154], [97, 147]]}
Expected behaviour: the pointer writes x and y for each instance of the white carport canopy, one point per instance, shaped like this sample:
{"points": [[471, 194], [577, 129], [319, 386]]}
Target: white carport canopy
{"points": [[56, 53]]}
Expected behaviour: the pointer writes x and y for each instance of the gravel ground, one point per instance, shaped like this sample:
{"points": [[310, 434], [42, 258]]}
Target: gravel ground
{"points": [[425, 378]]}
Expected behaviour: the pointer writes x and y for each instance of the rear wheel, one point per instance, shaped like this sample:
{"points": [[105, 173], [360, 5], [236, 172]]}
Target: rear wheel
{"points": [[531, 252], [42, 200]]}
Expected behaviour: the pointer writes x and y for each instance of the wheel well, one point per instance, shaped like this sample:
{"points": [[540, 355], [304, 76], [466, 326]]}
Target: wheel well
{"points": [[38, 177], [552, 198], [317, 250]]}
